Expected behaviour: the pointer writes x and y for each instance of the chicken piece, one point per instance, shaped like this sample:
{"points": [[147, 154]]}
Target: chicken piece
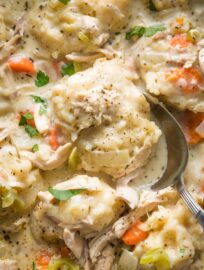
{"points": [[80, 26], [149, 200], [105, 262]]}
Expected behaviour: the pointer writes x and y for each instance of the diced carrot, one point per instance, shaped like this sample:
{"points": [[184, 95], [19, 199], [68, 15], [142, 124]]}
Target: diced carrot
{"points": [[21, 64], [188, 79], [180, 41], [134, 235], [180, 20], [53, 138], [30, 122], [189, 122], [44, 258]]}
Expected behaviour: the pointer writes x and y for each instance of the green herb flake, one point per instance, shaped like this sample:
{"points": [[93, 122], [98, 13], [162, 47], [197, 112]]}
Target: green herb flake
{"points": [[34, 266], [152, 6], [35, 148], [68, 69], [140, 31], [41, 79], [43, 102], [135, 31], [32, 132], [65, 2], [63, 195], [152, 30], [26, 116]]}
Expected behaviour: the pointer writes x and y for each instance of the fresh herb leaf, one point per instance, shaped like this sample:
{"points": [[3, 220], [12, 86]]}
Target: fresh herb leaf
{"points": [[42, 79], [35, 148], [135, 31], [63, 195], [38, 99], [68, 69], [152, 6], [23, 120], [144, 31], [152, 30], [43, 101], [65, 2], [32, 132]]}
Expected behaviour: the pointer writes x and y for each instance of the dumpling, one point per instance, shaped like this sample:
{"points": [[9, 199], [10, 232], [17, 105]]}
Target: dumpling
{"points": [[90, 211], [169, 65], [174, 230], [79, 26], [110, 116]]}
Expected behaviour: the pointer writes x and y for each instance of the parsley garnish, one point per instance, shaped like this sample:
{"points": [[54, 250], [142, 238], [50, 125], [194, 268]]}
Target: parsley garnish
{"points": [[42, 79], [35, 148], [26, 116], [144, 31], [31, 131], [63, 195], [68, 69], [152, 6], [43, 101], [65, 2]]}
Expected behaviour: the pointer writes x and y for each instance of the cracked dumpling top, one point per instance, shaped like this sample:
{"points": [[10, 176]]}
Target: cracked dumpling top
{"points": [[79, 26], [110, 117]]}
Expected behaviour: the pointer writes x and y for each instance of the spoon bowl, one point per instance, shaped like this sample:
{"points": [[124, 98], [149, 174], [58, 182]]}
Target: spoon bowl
{"points": [[177, 149]]}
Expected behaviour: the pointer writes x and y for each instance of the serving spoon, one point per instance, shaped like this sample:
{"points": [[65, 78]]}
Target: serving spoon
{"points": [[177, 149]]}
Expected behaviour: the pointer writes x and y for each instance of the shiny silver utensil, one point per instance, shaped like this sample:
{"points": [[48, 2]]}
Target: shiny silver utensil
{"points": [[177, 156]]}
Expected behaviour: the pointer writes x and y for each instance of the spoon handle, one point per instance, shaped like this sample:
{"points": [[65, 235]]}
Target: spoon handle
{"points": [[193, 206]]}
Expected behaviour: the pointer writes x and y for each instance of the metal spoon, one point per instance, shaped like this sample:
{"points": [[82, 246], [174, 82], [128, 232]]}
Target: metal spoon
{"points": [[177, 156]]}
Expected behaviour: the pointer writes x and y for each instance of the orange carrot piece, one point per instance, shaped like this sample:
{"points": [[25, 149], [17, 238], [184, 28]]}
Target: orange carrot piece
{"points": [[30, 122], [189, 122], [53, 138], [180, 41], [44, 259], [21, 64], [191, 79], [134, 235]]}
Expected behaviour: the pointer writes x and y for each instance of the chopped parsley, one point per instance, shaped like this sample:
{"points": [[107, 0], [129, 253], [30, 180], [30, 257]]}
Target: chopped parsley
{"points": [[152, 6], [144, 31], [32, 132], [43, 102], [41, 79], [68, 69], [63, 195], [35, 148], [26, 116], [65, 2]]}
